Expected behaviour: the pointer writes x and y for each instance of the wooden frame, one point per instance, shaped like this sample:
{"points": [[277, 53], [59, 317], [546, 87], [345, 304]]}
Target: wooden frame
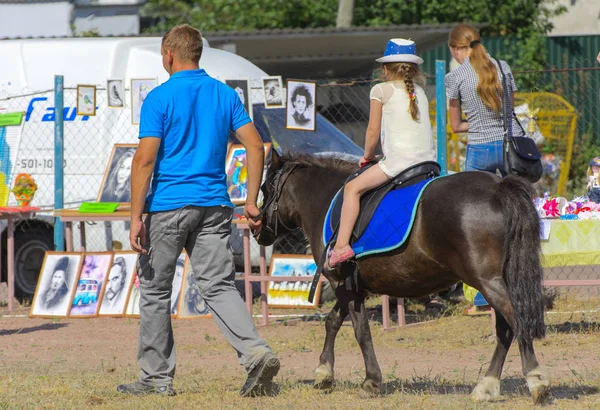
{"points": [[70, 291], [292, 122], [182, 311], [137, 94], [244, 85], [102, 283], [111, 171], [274, 103], [119, 95], [131, 271], [235, 190], [86, 106], [302, 288]]}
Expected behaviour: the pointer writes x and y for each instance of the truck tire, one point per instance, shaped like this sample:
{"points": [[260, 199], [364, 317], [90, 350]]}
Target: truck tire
{"points": [[31, 243]]}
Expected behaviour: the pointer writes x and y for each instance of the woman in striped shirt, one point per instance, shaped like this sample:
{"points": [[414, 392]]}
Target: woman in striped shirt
{"points": [[475, 87]]}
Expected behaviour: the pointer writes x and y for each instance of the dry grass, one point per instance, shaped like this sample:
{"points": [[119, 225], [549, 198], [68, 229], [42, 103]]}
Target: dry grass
{"points": [[77, 363]]}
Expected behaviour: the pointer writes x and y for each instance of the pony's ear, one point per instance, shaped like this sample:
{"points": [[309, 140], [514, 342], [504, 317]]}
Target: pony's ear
{"points": [[275, 159]]}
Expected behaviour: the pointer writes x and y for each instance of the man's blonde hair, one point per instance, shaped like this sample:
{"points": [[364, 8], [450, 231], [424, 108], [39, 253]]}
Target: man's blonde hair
{"points": [[185, 42]]}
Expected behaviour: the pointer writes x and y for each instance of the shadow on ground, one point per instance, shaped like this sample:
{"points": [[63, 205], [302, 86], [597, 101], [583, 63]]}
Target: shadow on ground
{"points": [[25, 330], [574, 327]]}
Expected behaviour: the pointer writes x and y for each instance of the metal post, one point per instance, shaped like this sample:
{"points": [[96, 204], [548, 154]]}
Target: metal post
{"points": [[440, 103], [59, 233], [247, 267], [10, 262]]}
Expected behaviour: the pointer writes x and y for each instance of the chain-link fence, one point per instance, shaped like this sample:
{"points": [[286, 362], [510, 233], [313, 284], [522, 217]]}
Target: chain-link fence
{"points": [[568, 121]]}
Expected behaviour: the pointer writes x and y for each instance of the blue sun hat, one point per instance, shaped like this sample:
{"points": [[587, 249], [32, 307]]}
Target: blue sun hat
{"points": [[595, 162], [400, 50]]}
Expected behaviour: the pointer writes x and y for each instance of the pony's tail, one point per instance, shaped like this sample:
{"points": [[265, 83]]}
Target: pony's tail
{"points": [[522, 266]]}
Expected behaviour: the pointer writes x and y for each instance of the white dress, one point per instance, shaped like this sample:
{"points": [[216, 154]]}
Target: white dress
{"points": [[404, 141]]}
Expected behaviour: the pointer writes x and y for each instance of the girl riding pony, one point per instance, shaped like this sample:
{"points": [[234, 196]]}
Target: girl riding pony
{"points": [[399, 115]]}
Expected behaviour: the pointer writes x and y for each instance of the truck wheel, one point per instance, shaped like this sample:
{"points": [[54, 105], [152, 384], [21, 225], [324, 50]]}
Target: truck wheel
{"points": [[31, 244]]}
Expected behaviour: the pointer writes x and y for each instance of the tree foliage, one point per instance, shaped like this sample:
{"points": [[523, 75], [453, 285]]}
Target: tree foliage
{"points": [[523, 21]]}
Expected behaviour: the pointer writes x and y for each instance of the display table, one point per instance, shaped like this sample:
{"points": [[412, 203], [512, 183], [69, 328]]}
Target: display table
{"points": [[68, 216], [11, 214], [572, 243]]}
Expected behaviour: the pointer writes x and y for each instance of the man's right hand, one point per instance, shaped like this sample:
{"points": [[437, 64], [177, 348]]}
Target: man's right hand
{"points": [[251, 211], [137, 235]]}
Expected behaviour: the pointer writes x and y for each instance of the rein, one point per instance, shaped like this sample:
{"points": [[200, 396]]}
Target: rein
{"points": [[283, 175]]}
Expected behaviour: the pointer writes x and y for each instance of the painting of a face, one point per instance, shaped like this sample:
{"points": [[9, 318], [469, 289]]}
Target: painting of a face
{"points": [[124, 171], [56, 284], [115, 283], [300, 104], [242, 89], [58, 278]]}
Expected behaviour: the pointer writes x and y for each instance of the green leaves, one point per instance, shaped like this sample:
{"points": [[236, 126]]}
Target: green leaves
{"points": [[526, 21]]}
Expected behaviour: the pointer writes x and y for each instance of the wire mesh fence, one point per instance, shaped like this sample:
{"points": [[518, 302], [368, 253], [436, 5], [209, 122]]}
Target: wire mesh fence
{"points": [[567, 124]]}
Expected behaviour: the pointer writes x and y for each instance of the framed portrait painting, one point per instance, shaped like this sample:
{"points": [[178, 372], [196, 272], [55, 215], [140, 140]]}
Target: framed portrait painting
{"points": [[86, 100], [56, 284], [191, 304], [301, 105], [133, 302], [237, 173], [115, 185], [177, 283], [290, 294], [118, 284], [115, 93], [140, 87], [90, 284], [242, 88], [273, 92]]}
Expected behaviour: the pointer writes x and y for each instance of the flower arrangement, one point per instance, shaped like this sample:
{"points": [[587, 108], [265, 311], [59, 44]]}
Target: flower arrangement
{"points": [[558, 207], [24, 189]]}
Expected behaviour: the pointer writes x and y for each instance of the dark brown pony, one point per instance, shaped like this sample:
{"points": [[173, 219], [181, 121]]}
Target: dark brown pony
{"points": [[472, 226]]}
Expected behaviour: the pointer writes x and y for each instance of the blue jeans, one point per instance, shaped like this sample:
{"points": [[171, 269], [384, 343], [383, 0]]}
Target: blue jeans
{"points": [[485, 157]]}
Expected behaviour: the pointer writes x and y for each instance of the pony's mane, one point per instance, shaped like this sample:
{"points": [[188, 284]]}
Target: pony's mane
{"points": [[330, 163]]}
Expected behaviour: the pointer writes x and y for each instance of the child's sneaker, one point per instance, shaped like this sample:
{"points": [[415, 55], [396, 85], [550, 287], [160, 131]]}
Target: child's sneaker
{"points": [[336, 258]]}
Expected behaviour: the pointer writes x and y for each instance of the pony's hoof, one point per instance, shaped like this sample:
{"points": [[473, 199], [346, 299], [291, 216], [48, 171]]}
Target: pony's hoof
{"points": [[488, 389], [323, 378], [539, 386], [371, 387]]}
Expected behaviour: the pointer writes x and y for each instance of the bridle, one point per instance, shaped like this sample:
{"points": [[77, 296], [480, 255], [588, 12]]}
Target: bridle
{"points": [[273, 203]]}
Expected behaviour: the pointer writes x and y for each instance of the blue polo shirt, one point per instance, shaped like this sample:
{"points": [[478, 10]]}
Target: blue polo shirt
{"points": [[192, 114]]}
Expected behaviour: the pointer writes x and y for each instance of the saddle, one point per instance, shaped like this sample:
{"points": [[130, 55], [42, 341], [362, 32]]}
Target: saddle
{"points": [[371, 199], [368, 238]]}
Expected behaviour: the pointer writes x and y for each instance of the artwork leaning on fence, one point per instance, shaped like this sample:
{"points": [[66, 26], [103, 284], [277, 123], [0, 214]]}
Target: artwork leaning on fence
{"points": [[237, 173], [56, 284], [191, 303], [90, 284], [118, 284], [292, 294]]}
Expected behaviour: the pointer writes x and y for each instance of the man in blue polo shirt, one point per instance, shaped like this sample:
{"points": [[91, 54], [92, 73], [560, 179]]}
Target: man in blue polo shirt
{"points": [[184, 129]]}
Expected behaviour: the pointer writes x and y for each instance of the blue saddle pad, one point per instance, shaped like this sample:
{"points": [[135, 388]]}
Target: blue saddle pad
{"points": [[391, 224]]}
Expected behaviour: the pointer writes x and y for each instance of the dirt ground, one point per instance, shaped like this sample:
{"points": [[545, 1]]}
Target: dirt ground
{"points": [[68, 363]]}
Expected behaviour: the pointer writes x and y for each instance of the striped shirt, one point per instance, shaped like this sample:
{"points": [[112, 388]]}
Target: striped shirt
{"points": [[485, 125]]}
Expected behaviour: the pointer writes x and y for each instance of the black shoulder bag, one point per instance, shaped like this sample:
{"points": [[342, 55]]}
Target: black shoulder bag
{"points": [[521, 154]]}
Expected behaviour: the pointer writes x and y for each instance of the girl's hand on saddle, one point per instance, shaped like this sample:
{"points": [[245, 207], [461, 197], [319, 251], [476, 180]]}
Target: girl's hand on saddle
{"points": [[364, 161]]}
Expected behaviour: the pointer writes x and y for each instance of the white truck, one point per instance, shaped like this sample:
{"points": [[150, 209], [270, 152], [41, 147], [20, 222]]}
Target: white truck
{"points": [[27, 69]]}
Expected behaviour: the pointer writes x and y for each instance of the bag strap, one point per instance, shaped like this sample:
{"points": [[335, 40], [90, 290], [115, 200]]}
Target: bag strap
{"points": [[505, 98], [506, 124]]}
